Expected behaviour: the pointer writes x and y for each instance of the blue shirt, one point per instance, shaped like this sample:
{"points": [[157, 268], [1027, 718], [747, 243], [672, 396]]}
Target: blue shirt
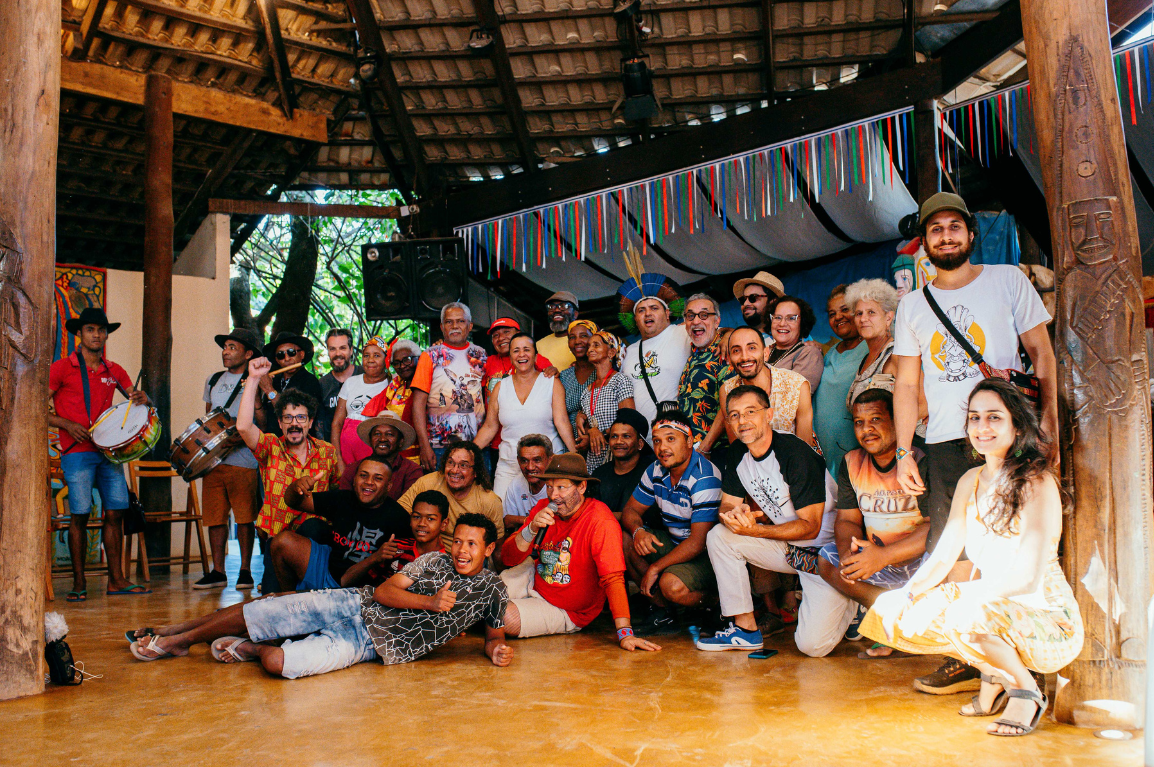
{"points": [[696, 498], [831, 419]]}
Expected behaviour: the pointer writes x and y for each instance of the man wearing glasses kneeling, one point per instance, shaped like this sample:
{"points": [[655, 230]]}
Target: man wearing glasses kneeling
{"points": [[283, 459]]}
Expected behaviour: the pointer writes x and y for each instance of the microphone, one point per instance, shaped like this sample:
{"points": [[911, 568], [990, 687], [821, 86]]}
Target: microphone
{"points": [[540, 537]]}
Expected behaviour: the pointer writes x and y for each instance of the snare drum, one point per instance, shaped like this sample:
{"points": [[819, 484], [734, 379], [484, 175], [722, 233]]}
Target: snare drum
{"points": [[124, 437], [203, 445]]}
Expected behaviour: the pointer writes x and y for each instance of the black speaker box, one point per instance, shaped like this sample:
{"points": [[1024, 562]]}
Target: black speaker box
{"points": [[413, 279]]}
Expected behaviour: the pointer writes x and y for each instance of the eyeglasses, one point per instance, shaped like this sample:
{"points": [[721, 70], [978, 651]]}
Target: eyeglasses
{"points": [[451, 464], [785, 317], [284, 354], [744, 414], [301, 418], [558, 305], [750, 298], [402, 360], [691, 316]]}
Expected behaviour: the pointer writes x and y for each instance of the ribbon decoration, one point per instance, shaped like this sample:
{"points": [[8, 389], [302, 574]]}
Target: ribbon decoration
{"points": [[749, 185], [990, 126]]}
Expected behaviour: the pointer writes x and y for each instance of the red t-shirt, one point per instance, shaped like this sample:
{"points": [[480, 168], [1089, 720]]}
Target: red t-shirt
{"points": [[579, 558], [67, 389], [496, 368]]}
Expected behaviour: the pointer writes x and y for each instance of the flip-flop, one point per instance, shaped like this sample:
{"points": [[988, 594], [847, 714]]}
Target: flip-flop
{"points": [[864, 654], [999, 701], [131, 591], [77, 596], [131, 636], [1039, 699], [137, 650], [224, 650]]}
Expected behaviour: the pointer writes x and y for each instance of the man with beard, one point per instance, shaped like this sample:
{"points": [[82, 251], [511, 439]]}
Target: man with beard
{"points": [[666, 347], [631, 457], [995, 309], [561, 308], [235, 482], [283, 458], [364, 529], [465, 481], [788, 391], [756, 294], [706, 369], [288, 349], [387, 436], [339, 343]]}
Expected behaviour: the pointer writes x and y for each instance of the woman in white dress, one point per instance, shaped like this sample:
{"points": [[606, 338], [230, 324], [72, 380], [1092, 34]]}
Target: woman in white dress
{"points": [[355, 394], [524, 402]]}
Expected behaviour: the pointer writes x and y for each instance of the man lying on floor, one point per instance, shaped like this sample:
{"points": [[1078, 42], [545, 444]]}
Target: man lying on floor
{"points": [[432, 600]]}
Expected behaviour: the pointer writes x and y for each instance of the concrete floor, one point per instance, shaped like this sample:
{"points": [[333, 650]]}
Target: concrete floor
{"points": [[575, 700]]}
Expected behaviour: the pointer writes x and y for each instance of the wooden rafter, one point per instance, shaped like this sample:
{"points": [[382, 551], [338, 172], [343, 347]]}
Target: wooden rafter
{"points": [[768, 59], [506, 83], [381, 142], [220, 171], [270, 208], [278, 59], [82, 41]]}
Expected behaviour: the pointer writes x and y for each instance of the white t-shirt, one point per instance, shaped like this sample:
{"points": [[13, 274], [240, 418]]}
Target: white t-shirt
{"points": [[791, 475], [217, 396], [665, 358], [518, 498], [992, 312], [356, 394]]}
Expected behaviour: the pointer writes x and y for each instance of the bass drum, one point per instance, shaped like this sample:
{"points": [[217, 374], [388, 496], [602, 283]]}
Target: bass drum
{"points": [[203, 445]]}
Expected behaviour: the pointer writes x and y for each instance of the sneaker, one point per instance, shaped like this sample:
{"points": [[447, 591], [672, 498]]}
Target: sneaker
{"points": [[732, 638], [770, 624], [659, 622], [213, 580], [244, 580], [951, 677], [853, 633]]}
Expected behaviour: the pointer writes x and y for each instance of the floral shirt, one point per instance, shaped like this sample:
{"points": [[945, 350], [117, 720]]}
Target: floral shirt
{"points": [[698, 392], [279, 469]]}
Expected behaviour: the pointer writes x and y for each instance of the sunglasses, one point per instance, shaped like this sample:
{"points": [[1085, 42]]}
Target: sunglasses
{"points": [[284, 354], [752, 298]]}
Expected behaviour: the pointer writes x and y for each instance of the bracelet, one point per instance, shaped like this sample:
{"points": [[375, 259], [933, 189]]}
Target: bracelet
{"points": [[626, 631], [901, 453], [527, 534]]}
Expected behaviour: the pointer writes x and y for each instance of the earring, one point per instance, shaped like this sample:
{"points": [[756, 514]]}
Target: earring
{"points": [[1018, 453]]}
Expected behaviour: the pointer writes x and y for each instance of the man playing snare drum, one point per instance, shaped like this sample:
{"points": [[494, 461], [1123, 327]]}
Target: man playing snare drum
{"points": [[235, 482], [81, 391]]}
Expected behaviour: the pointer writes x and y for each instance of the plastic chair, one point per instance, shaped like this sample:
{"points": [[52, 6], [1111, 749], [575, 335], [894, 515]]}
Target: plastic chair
{"points": [[191, 517]]}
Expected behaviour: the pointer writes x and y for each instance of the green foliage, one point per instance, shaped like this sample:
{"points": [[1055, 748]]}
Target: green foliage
{"points": [[337, 295]]}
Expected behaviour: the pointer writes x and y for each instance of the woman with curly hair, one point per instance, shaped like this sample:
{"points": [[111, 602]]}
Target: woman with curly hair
{"points": [[1017, 612], [790, 321], [579, 376], [609, 391]]}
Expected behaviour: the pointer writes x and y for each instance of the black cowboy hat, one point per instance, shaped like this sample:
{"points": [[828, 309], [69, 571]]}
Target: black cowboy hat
{"points": [[244, 336], [284, 337], [90, 316]]}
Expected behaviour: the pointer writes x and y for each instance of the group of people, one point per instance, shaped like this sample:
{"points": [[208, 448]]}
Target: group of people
{"points": [[701, 466]]}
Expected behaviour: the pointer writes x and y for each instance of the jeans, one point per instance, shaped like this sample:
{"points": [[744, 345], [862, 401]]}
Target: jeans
{"points": [[83, 471]]}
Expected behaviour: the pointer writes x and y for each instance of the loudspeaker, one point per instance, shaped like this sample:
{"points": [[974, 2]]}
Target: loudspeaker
{"points": [[413, 279]]}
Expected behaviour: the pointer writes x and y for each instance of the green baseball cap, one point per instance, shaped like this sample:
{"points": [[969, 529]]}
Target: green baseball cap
{"points": [[944, 201]]}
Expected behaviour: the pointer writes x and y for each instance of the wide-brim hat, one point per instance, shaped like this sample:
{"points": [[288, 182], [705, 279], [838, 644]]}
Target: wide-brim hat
{"points": [[387, 418], [764, 279], [244, 336], [569, 466], [284, 337], [90, 316]]}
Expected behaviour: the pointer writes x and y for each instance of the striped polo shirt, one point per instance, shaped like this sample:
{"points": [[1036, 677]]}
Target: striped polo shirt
{"points": [[696, 497]]}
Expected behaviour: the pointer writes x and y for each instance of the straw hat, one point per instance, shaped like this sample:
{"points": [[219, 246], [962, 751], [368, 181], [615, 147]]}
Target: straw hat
{"points": [[387, 418], [764, 279]]}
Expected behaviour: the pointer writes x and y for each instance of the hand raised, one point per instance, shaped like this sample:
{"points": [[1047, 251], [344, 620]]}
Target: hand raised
{"points": [[259, 367], [444, 599]]}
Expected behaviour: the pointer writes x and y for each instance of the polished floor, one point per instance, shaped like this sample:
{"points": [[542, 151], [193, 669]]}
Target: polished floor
{"points": [[575, 700]]}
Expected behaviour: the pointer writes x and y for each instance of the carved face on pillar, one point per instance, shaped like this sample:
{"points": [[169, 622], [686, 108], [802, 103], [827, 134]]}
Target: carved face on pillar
{"points": [[1091, 230]]}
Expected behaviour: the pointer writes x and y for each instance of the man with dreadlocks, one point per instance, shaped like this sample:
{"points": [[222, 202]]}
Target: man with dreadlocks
{"points": [[647, 302]]}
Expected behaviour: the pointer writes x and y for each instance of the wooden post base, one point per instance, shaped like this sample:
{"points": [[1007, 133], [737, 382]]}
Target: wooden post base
{"points": [[1077, 704]]}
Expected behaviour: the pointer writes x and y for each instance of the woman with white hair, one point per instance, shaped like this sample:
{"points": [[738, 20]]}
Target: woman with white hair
{"points": [[397, 396], [874, 304]]}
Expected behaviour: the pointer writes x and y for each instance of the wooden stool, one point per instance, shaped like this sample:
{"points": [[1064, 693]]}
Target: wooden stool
{"points": [[191, 517]]}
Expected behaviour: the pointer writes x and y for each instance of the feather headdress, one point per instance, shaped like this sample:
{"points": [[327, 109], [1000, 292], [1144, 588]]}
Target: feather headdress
{"points": [[641, 285]]}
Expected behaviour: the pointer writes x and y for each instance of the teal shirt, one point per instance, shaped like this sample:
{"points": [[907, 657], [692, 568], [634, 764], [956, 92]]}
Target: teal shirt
{"points": [[831, 420]]}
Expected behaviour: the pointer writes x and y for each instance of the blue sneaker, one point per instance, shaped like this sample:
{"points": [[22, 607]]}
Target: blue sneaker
{"points": [[732, 638], [853, 633]]}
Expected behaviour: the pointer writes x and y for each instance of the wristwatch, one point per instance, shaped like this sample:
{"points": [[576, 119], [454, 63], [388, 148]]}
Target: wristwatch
{"points": [[901, 453], [271, 396]]}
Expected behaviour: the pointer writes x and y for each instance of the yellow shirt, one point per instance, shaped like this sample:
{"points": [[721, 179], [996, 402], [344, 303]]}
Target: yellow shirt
{"points": [[556, 349], [479, 500]]}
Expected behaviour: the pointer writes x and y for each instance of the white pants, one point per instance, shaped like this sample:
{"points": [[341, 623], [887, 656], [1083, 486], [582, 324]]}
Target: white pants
{"points": [[538, 617], [503, 475], [825, 614]]}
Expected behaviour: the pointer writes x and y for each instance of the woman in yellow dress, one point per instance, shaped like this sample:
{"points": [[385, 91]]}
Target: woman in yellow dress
{"points": [[1016, 612]]}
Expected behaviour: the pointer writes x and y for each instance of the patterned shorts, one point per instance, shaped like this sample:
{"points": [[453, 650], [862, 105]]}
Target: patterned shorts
{"points": [[889, 577]]}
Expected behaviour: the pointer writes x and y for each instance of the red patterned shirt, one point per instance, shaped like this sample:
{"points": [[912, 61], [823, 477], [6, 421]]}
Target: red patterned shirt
{"points": [[279, 469]]}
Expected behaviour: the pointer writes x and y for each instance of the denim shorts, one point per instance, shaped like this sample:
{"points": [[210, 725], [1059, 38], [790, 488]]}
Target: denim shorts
{"points": [[334, 634], [317, 576], [889, 577], [88, 469]]}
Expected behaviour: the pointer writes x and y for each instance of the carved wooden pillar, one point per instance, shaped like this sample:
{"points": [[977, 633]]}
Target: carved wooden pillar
{"points": [[29, 119], [1101, 354]]}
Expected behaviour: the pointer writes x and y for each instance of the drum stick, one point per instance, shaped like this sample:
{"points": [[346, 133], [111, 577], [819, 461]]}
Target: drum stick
{"points": [[286, 369], [127, 409]]}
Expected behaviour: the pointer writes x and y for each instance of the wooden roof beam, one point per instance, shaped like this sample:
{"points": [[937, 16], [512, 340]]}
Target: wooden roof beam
{"points": [[271, 208], [278, 59], [768, 61], [224, 166], [211, 104], [506, 83], [381, 142], [81, 43]]}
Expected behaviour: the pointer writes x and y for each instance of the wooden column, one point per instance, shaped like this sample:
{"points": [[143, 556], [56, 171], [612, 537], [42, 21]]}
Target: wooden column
{"points": [[1101, 352], [29, 119], [156, 350], [925, 149]]}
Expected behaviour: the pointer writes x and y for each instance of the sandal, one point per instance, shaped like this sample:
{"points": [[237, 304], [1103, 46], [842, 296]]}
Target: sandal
{"points": [[224, 650], [131, 636], [1038, 698], [1000, 700], [138, 650], [132, 590], [77, 596]]}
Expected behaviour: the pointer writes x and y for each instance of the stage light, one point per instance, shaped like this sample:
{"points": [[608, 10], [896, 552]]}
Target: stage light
{"points": [[627, 8], [367, 67], [637, 83]]}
